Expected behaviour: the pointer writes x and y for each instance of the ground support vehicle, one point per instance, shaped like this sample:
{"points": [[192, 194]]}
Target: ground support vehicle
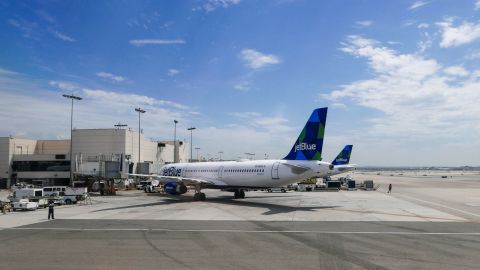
{"points": [[24, 204]]}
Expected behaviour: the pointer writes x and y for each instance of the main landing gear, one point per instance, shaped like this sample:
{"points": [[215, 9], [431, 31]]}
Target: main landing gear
{"points": [[239, 194], [199, 195]]}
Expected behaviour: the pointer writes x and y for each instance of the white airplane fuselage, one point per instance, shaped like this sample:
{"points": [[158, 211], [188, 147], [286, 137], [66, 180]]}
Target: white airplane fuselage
{"points": [[249, 174]]}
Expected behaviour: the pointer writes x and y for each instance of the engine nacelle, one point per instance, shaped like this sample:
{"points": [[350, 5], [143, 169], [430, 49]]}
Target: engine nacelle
{"points": [[174, 188]]}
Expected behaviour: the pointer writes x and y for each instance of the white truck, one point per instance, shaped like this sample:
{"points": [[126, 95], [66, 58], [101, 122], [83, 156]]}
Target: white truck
{"points": [[68, 195]]}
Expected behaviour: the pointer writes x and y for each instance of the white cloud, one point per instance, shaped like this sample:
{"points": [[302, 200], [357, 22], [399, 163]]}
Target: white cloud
{"points": [[423, 25], [338, 105], [44, 15], [256, 60], [456, 71], [386, 61], [417, 4], [211, 5], [242, 86], [65, 86], [173, 72], [425, 44], [408, 23], [473, 55], [455, 36], [142, 42], [27, 28], [414, 96], [272, 124], [394, 42], [110, 76], [477, 5], [6, 72], [43, 117], [129, 99], [363, 24], [63, 36]]}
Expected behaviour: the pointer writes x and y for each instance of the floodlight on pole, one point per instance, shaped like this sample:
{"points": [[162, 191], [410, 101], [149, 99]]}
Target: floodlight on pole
{"points": [[191, 141], [140, 111], [175, 155], [72, 97]]}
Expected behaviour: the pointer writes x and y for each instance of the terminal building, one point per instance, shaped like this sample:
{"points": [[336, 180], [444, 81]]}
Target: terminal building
{"points": [[96, 152]]}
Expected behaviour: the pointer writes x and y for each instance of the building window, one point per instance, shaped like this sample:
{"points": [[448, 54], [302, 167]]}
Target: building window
{"points": [[41, 166]]}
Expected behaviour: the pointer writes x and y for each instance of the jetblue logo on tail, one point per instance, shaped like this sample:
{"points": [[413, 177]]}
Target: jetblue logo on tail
{"points": [[344, 156], [305, 146]]}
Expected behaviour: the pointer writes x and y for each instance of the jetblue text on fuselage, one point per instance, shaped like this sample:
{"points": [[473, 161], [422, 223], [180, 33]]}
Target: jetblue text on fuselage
{"points": [[305, 146], [171, 171]]}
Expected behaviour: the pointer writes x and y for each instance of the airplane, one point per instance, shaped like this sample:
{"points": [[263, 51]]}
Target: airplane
{"points": [[302, 162], [341, 162]]}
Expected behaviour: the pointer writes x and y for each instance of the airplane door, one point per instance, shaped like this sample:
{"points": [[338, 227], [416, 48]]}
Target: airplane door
{"points": [[220, 172], [275, 170]]}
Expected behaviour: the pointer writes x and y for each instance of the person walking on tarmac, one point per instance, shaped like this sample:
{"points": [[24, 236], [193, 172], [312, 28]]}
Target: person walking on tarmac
{"points": [[389, 188], [50, 209]]}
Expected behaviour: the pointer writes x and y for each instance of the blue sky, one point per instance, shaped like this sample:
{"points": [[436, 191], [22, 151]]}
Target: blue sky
{"points": [[401, 78]]}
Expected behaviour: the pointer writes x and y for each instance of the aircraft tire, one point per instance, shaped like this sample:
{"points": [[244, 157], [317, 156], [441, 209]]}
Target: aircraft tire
{"points": [[242, 194], [202, 196], [236, 194]]}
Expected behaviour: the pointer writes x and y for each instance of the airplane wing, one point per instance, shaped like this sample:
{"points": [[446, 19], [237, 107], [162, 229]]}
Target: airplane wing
{"points": [[186, 180]]}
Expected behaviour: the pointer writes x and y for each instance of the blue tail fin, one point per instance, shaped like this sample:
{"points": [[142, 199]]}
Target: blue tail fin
{"points": [[344, 156], [310, 142]]}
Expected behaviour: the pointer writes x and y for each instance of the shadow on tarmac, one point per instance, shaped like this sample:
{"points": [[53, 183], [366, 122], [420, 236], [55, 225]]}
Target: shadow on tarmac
{"points": [[228, 200]]}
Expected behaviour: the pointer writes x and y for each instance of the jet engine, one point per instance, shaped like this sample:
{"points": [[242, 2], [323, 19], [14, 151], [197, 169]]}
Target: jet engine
{"points": [[174, 188]]}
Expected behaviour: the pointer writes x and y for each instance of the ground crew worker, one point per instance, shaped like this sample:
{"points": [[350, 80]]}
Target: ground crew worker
{"points": [[4, 207], [389, 188], [50, 209]]}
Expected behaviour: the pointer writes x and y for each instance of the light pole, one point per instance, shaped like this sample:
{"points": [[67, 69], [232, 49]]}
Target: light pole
{"points": [[175, 158], [191, 141], [72, 97], [140, 111], [220, 155], [197, 148]]}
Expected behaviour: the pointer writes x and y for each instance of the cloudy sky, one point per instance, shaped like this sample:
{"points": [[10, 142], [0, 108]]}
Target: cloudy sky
{"points": [[401, 78]]}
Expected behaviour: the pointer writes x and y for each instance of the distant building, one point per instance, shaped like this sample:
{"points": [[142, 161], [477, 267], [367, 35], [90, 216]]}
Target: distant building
{"points": [[100, 152]]}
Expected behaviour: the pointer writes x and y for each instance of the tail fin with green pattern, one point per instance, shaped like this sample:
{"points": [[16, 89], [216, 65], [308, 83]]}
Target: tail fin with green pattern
{"points": [[310, 142]]}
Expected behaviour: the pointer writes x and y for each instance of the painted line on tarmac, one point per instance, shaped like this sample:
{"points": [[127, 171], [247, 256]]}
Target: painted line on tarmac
{"points": [[246, 231], [441, 205]]}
